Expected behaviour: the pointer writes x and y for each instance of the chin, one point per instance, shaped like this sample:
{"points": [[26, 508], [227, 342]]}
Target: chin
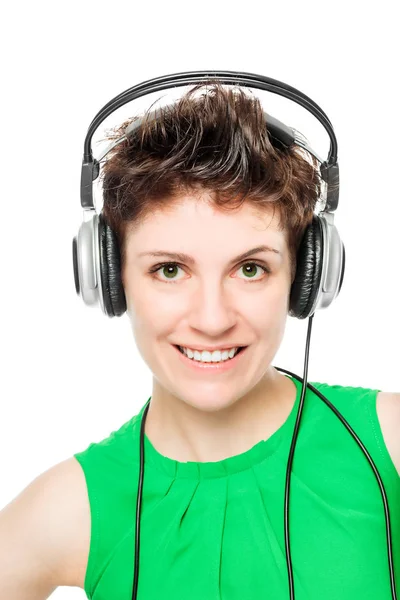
{"points": [[214, 404]]}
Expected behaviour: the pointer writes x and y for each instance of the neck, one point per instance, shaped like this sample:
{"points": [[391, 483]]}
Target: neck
{"points": [[185, 433]]}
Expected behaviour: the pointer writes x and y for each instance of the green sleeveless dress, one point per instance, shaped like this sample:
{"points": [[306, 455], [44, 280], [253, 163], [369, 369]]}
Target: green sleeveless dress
{"points": [[215, 530]]}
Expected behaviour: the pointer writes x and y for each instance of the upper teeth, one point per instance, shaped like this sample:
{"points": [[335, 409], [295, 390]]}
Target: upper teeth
{"points": [[207, 356]]}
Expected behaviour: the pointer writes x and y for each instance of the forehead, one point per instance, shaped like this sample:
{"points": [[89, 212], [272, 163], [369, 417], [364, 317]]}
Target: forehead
{"points": [[197, 220]]}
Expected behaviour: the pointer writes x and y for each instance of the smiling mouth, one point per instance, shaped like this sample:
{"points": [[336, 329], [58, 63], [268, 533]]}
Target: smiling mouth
{"points": [[241, 348]]}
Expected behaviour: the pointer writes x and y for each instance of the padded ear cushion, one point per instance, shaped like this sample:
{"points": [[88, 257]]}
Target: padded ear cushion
{"points": [[308, 272], [110, 266]]}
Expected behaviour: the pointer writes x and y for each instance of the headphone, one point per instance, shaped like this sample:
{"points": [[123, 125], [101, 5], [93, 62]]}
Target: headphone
{"points": [[320, 257]]}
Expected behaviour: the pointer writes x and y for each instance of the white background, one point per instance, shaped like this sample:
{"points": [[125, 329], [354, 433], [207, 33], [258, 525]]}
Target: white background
{"points": [[70, 375]]}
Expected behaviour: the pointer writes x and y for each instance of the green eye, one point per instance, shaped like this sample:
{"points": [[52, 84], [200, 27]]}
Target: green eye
{"points": [[167, 267], [252, 265]]}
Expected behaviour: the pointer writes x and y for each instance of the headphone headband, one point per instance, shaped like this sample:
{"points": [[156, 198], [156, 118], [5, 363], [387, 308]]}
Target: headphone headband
{"points": [[329, 169]]}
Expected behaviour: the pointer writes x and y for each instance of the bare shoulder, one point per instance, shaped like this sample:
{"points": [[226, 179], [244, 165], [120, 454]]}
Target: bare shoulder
{"points": [[388, 410], [52, 518], [76, 528], [79, 533]]}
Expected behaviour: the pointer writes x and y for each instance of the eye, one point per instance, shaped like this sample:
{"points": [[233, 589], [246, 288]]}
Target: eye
{"points": [[171, 268], [252, 265]]}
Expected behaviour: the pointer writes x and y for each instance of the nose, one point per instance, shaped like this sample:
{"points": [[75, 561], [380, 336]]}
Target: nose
{"points": [[213, 310]]}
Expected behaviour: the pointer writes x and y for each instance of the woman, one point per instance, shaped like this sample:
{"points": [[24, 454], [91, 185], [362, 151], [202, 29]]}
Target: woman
{"points": [[192, 196]]}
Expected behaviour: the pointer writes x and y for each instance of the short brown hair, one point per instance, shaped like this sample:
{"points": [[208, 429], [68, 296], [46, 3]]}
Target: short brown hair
{"points": [[216, 142]]}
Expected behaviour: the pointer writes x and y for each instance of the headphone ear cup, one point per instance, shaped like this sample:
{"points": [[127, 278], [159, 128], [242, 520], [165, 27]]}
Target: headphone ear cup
{"points": [[307, 281], [110, 266], [75, 264]]}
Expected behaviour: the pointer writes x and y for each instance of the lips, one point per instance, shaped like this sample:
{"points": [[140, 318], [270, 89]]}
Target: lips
{"points": [[238, 352]]}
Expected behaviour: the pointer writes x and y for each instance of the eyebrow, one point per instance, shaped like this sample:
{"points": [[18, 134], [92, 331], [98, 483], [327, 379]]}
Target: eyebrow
{"points": [[190, 260]]}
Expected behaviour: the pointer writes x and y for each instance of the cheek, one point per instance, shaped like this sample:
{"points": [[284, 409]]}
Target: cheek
{"points": [[149, 316], [269, 313], [273, 298]]}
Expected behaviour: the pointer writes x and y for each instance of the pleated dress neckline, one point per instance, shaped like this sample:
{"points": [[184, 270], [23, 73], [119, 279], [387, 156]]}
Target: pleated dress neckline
{"points": [[227, 466]]}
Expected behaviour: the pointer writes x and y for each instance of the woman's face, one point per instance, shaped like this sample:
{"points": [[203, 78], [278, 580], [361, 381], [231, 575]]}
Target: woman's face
{"points": [[215, 299]]}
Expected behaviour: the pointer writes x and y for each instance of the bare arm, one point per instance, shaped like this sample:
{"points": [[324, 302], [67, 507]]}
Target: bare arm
{"points": [[45, 535]]}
